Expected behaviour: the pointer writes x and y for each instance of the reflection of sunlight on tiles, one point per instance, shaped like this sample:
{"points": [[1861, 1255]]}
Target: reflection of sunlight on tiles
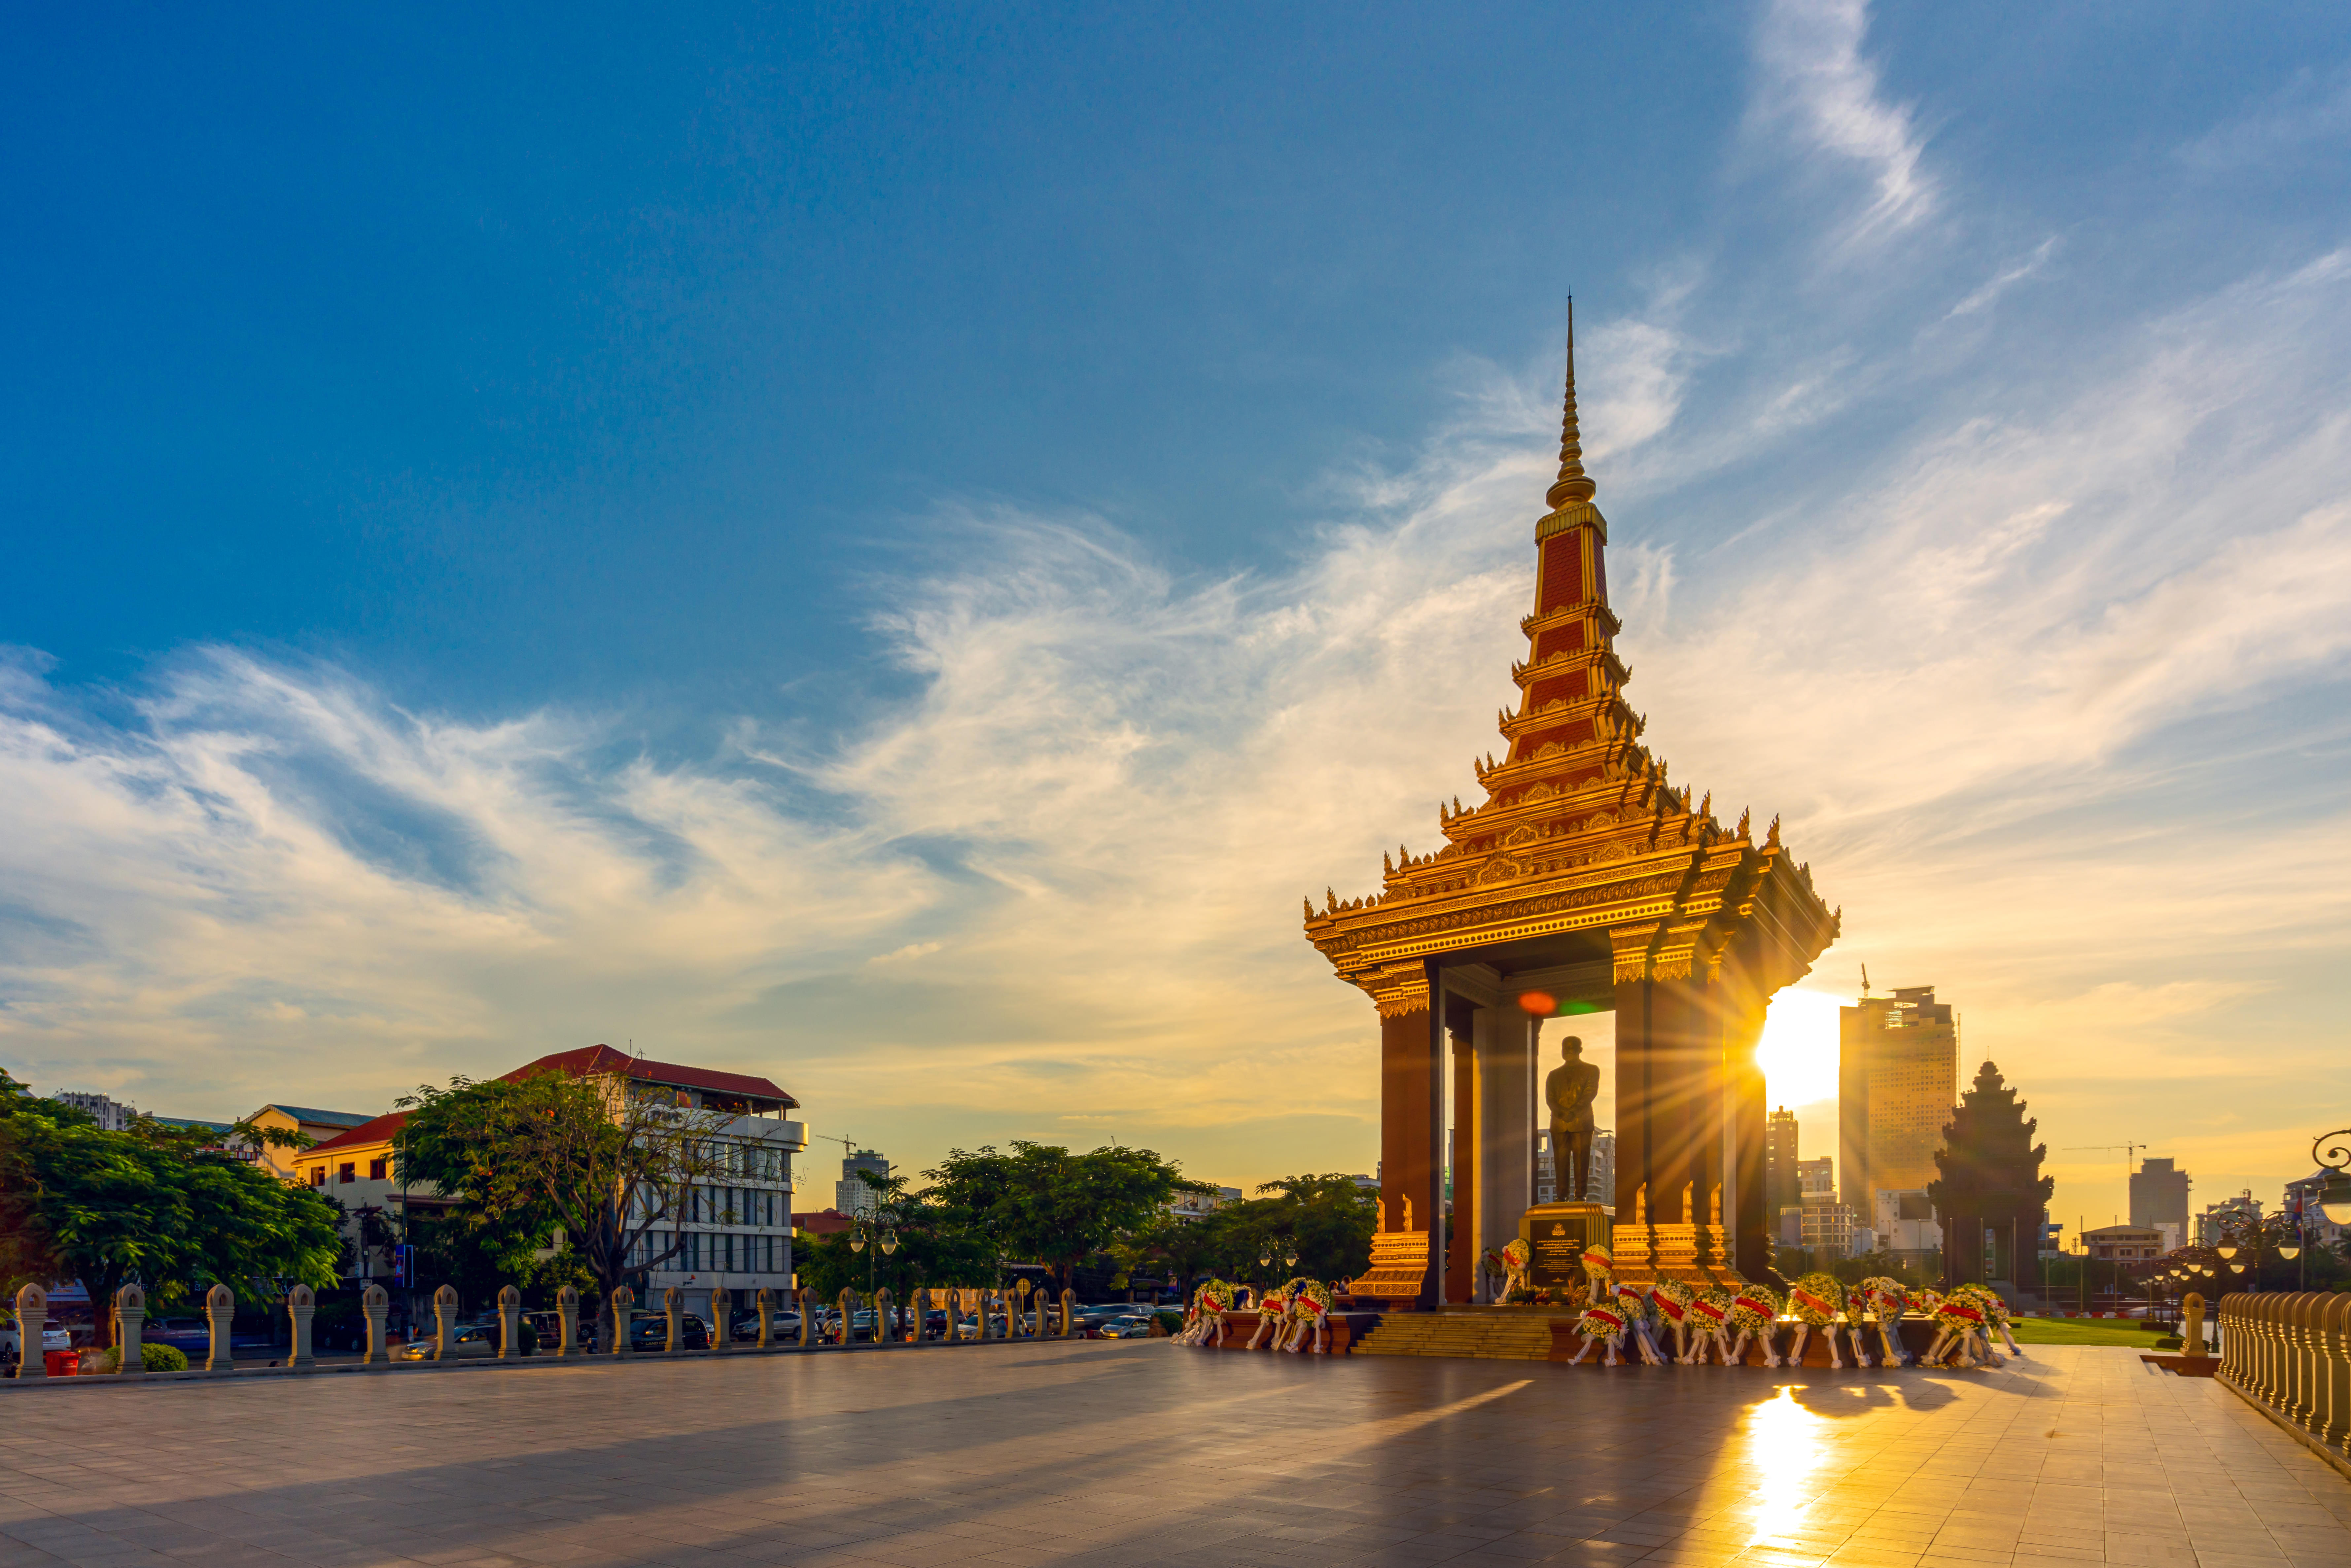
{"points": [[1782, 1451]]}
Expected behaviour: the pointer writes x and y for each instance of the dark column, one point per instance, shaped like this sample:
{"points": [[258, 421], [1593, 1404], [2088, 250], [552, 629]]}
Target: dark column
{"points": [[1633, 1069], [1410, 1110], [1461, 1252], [1685, 1103], [1747, 1213]]}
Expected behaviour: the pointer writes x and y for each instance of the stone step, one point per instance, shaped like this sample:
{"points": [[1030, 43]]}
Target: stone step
{"points": [[1459, 1334]]}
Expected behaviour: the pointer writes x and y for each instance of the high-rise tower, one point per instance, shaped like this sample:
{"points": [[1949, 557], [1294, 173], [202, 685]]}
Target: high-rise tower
{"points": [[1897, 1079], [1781, 1187]]}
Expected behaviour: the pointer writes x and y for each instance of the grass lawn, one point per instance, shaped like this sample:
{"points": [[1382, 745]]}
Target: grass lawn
{"points": [[2082, 1330]]}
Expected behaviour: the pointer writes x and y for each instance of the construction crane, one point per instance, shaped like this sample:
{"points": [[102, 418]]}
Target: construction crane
{"points": [[2130, 1151]]}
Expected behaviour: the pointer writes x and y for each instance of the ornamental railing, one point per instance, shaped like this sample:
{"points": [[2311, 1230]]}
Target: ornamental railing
{"points": [[786, 1322], [2289, 1352]]}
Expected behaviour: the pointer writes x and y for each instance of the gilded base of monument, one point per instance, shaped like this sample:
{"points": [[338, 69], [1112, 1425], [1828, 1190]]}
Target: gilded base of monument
{"points": [[1696, 1255], [1399, 1271]]}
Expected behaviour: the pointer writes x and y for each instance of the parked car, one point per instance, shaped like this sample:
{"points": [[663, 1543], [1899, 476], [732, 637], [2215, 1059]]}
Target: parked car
{"points": [[192, 1337], [1126, 1328], [783, 1325], [650, 1333], [469, 1340]]}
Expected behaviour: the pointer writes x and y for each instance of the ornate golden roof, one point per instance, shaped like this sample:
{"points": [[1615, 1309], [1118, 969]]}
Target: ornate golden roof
{"points": [[1579, 830]]}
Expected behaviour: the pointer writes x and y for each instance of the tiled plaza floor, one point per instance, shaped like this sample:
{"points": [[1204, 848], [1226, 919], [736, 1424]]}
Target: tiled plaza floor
{"points": [[1143, 1452]]}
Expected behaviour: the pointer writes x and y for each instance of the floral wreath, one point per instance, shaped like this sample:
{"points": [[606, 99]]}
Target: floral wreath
{"points": [[1985, 1300], [1754, 1309], [1600, 1321], [1885, 1297], [1817, 1301]]}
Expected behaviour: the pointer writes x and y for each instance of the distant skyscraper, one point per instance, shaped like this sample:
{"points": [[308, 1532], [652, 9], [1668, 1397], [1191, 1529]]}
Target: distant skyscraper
{"points": [[851, 1195], [1897, 1080], [2158, 1197], [1815, 1179], [1781, 1188]]}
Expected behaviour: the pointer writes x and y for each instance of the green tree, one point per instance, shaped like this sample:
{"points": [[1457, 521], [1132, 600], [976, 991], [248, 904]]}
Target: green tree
{"points": [[151, 1205], [1044, 1203], [930, 1245], [591, 1168], [1326, 1221]]}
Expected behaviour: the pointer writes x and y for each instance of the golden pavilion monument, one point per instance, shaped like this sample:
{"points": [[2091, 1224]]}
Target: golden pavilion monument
{"points": [[1583, 881]]}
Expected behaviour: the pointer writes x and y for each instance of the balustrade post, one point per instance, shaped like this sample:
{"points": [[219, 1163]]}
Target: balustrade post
{"points": [[766, 1302], [623, 1300], [509, 1323], [32, 1319], [130, 1316], [1069, 1309], [674, 1311], [302, 1306], [722, 1319], [884, 1330], [220, 1314], [2334, 1347], [567, 1319], [2278, 1346], [2302, 1402], [375, 1310], [445, 1307], [847, 1304], [807, 1299]]}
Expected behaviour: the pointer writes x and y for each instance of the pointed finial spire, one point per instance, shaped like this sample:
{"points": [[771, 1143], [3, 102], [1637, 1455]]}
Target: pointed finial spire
{"points": [[1574, 486]]}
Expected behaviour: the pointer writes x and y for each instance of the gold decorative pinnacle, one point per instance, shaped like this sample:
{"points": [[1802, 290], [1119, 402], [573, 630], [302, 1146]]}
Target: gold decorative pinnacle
{"points": [[1575, 487]]}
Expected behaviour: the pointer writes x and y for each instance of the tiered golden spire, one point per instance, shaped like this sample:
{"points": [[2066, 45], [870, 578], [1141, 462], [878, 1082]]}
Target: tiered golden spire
{"points": [[1574, 488]]}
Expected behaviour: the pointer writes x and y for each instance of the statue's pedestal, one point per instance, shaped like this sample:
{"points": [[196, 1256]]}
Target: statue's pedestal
{"points": [[1556, 1234]]}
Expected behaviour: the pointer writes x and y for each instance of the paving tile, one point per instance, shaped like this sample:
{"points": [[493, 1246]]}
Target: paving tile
{"points": [[1018, 1459]]}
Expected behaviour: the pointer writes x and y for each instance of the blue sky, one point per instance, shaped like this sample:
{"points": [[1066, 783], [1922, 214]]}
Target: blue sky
{"points": [[890, 547]]}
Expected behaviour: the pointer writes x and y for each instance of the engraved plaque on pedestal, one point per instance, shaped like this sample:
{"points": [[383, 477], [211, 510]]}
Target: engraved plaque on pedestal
{"points": [[1556, 1234]]}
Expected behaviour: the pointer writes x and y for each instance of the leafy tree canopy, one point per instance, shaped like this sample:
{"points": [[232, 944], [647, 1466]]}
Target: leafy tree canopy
{"points": [[1327, 1222], [154, 1205], [1042, 1202]]}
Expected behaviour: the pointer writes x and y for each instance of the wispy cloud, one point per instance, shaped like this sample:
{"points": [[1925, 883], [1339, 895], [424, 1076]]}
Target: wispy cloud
{"points": [[1817, 89], [1983, 297], [1972, 686], [2310, 114], [2045, 676]]}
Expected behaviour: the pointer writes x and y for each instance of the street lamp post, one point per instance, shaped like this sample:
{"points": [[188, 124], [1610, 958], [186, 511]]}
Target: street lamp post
{"points": [[861, 1232], [2333, 1153]]}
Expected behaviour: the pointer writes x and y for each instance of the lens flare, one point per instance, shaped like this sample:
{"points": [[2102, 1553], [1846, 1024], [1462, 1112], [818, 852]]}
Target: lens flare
{"points": [[1541, 1004]]}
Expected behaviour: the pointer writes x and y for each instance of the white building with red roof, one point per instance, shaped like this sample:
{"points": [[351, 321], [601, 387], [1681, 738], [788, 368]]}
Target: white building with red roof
{"points": [[736, 1234]]}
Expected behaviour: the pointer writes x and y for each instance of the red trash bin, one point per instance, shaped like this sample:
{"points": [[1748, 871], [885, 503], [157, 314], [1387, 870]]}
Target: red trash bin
{"points": [[62, 1363]]}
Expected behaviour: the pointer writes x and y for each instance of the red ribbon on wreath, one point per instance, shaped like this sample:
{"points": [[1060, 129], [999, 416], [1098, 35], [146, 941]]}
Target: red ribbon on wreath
{"points": [[1616, 1324], [1668, 1306], [1761, 1309], [1953, 1310], [1810, 1299], [1710, 1310]]}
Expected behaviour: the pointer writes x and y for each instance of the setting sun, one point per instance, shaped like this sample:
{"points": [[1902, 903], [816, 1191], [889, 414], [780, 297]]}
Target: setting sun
{"points": [[1799, 1050]]}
